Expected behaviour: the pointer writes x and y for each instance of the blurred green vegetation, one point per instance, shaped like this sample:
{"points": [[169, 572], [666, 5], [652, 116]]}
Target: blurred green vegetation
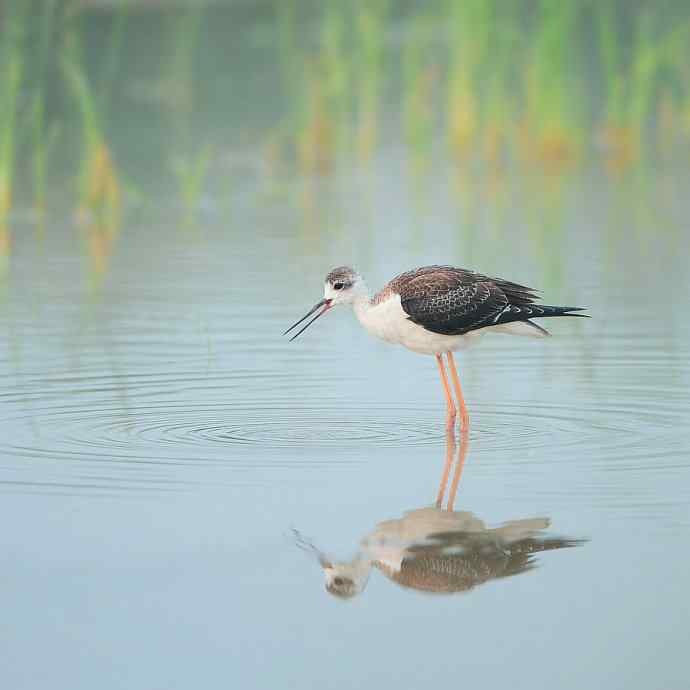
{"points": [[98, 101]]}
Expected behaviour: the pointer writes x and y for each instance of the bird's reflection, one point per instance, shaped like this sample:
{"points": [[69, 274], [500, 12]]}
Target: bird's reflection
{"points": [[437, 549]]}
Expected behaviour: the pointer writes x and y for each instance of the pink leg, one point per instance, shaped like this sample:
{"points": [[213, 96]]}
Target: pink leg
{"points": [[450, 422], [464, 416]]}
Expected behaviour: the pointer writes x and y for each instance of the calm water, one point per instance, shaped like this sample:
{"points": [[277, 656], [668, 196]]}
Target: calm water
{"points": [[160, 442], [174, 474]]}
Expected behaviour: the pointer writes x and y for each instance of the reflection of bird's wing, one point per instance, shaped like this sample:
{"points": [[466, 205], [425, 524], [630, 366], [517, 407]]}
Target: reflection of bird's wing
{"points": [[456, 560], [393, 540], [431, 570], [522, 552], [471, 562], [520, 529], [417, 525]]}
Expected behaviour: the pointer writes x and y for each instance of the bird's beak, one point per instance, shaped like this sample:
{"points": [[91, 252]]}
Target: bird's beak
{"points": [[325, 303]]}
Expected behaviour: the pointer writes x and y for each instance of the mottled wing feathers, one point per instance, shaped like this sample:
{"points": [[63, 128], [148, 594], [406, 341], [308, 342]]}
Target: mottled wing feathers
{"points": [[454, 301], [458, 309]]}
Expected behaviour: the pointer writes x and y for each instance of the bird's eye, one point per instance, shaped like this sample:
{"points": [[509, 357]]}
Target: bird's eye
{"points": [[338, 286]]}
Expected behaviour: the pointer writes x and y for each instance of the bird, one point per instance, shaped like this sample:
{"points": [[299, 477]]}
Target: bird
{"points": [[433, 550], [437, 310]]}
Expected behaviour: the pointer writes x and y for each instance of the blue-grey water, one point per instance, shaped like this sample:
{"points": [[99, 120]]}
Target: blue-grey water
{"points": [[174, 473], [160, 441]]}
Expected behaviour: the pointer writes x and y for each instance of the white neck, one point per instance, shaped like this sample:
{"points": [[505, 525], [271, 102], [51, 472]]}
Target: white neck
{"points": [[361, 303]]}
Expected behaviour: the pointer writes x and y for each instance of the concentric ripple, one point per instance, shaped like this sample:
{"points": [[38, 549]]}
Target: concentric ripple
{"points": [[222, 431], [273, 416]]}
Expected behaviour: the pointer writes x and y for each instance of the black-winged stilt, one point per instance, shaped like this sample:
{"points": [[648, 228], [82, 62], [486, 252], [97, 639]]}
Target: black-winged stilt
{"points": [[436, 310]]}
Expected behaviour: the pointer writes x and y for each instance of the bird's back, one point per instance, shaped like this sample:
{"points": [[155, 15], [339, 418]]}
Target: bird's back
{"points": [[453, 301]]}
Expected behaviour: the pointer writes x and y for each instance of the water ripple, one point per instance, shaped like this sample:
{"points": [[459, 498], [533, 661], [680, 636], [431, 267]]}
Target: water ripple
{"points": [[192, 426], [207, 430]]}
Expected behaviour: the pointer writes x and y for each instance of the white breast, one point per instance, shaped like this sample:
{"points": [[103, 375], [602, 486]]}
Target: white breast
{"points": [[384, 320], [388, 321]]}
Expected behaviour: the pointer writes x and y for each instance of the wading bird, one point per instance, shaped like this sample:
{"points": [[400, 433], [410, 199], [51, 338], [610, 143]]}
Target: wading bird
{"points": [[436, 310]]}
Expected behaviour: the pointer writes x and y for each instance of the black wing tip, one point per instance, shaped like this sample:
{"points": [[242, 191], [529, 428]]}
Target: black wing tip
{"points": [[570, 311], [561, 311]]}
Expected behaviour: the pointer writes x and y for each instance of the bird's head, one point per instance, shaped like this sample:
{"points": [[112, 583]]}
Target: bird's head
{"points": [[342, 286]]}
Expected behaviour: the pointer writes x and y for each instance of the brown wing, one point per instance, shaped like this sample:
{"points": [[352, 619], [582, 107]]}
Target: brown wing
{"points": [[454, 301]]}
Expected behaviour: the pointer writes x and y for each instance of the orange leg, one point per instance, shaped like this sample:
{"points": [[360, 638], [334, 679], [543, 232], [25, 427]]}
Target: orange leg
{"points": [[462, 453], [450, 422], [450, 456], [464, 416]]}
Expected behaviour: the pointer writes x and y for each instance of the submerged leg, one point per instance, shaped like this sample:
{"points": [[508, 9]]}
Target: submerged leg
{"points": [[449, 397], [464, 416], [450, 456]]}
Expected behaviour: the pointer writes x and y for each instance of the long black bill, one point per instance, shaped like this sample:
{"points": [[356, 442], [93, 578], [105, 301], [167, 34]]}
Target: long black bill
{"points": [[325, 303]]}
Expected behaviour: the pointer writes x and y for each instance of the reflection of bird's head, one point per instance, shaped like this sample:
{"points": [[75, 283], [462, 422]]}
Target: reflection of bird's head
{"points": [[344, 580], [341, 587], [347, 580]]}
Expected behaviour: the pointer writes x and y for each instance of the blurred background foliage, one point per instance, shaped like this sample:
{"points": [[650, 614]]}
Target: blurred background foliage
{"points": [[110, 104]]}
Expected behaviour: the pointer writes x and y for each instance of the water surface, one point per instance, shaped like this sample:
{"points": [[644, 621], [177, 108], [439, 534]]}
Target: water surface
{"points": [[159, 442], [172, 469]]}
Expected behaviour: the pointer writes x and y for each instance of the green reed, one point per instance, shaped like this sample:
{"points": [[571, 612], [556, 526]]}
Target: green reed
{"points": [[673, 110], [288, 51], [12, 68], [468, 46], [659, 81], [420, 74], [644, 89], [640, 93], [552, 122], [520, 84], [43, 132], [612, 60], [481, 105], [185, 30], [499, 109], [336, 70], [191, 160], [370, 24], [191, 174], [99, 192], [326, 101], [503, 80]]}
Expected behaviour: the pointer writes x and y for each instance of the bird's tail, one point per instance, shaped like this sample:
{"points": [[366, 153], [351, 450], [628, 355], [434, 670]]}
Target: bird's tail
{"points": [[516, 318], [542, 311]]}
